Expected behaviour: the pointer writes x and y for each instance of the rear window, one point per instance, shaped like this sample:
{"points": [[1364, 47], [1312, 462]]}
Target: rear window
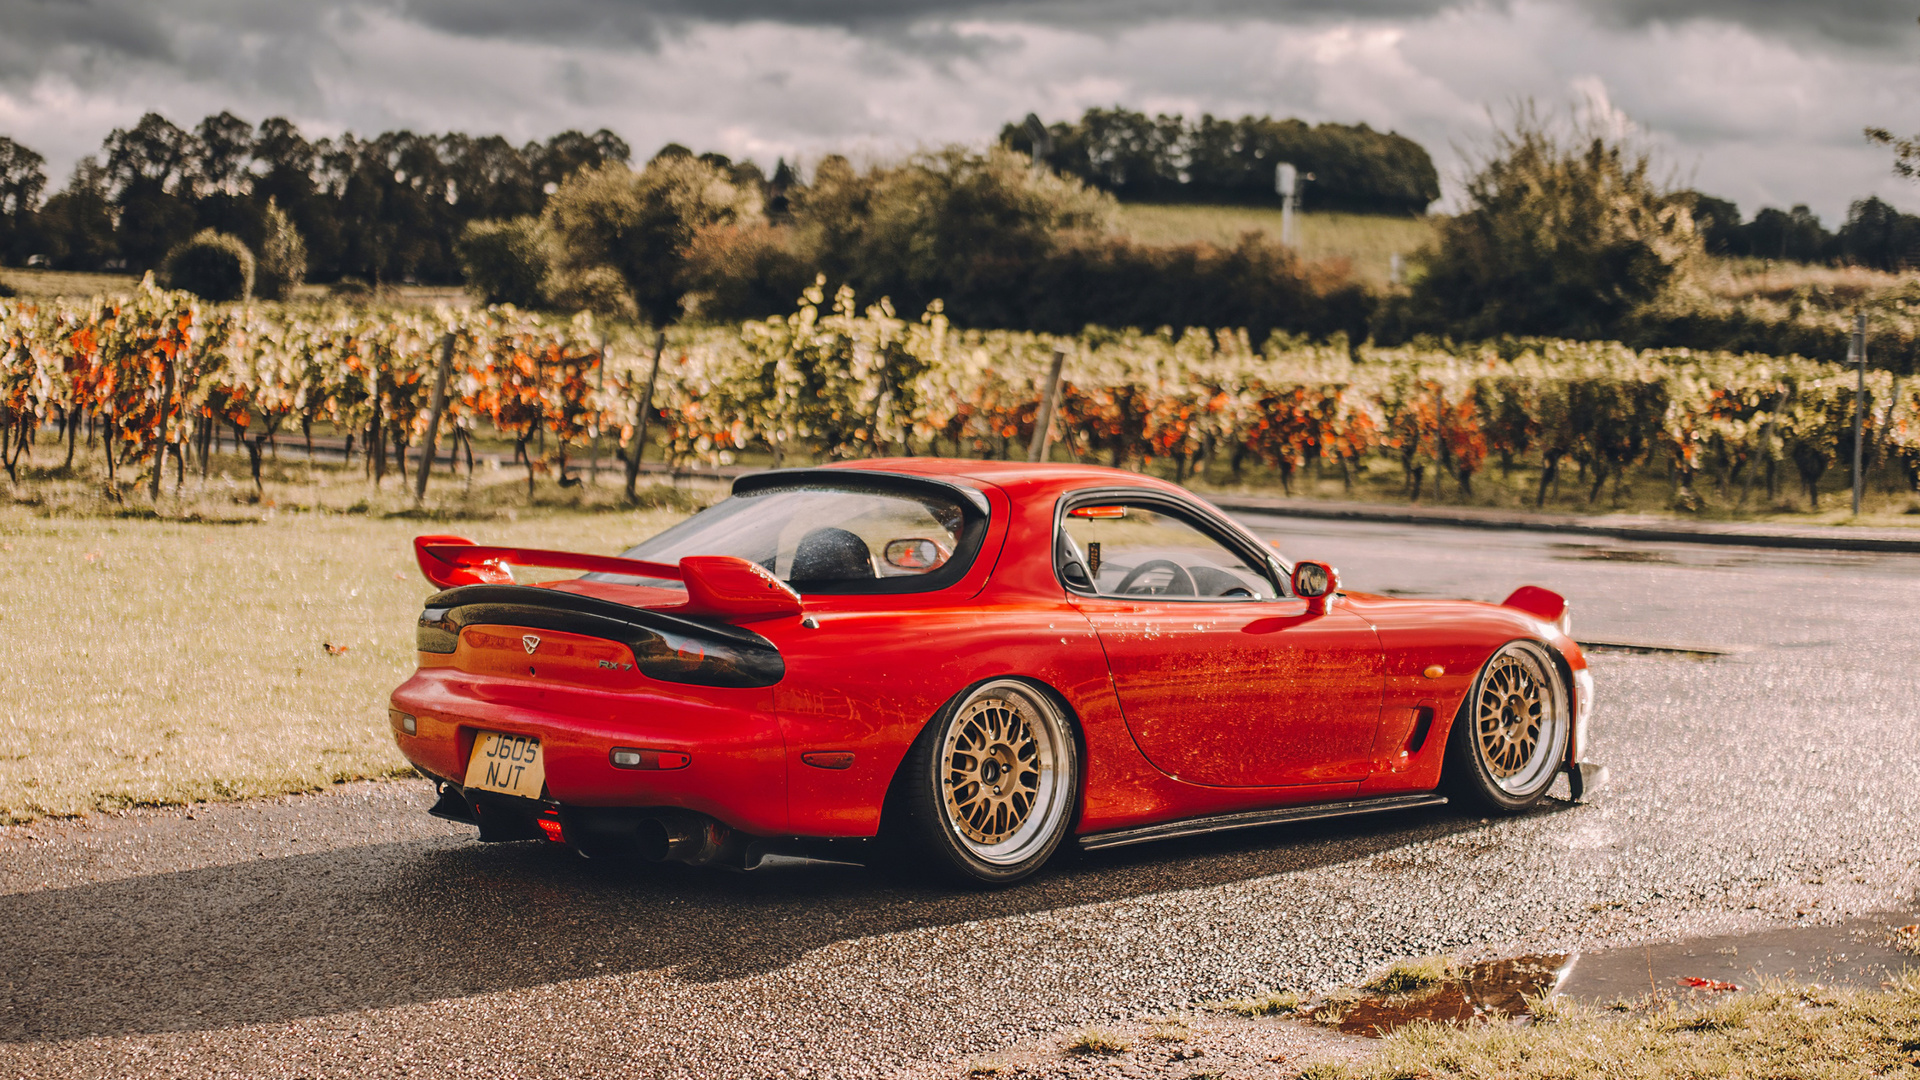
{"points": [[826, 539]]}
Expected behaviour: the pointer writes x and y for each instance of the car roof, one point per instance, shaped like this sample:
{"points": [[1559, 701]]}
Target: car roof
{"points": [[1019, 479]]}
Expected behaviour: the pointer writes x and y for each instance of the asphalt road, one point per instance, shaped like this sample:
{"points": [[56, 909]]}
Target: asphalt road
{"points": [[347, 934]]}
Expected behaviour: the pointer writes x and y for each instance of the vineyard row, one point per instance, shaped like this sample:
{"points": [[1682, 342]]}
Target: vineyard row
{"points": [[146, 381]]}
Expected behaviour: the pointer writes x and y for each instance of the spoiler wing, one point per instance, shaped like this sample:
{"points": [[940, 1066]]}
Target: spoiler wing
{"points": [[720, 586]]}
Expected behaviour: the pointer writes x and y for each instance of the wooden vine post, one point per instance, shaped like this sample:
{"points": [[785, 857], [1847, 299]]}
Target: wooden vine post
{"points": [[436, 406], [640, 419], [1043, 425]]}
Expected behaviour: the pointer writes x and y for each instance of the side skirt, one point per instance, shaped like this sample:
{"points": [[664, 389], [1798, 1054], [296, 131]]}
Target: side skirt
{"points": [[1252, 818]]}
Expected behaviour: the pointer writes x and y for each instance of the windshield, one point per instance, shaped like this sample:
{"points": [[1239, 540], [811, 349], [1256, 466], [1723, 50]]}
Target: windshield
{"points": [[828, 540]]}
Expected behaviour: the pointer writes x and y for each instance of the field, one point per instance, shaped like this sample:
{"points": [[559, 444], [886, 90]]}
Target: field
{"points": [[162, 662], [1368, 241], [48, 284]]}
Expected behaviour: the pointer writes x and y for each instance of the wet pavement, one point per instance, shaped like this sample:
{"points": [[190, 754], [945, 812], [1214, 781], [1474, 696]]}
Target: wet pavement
{"points": [[1770, 777], [1859, 953]]}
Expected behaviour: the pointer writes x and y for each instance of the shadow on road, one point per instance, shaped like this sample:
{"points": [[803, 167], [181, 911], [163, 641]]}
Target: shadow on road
{"points": [[394, 924]]}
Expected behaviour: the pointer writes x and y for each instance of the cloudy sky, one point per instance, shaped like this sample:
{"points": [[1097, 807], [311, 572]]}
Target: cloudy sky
{"points": [[1761, 101]]}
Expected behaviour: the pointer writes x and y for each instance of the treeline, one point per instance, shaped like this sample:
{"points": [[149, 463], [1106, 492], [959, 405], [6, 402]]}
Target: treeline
{"points": [[384, 209], [1165, 158], [1874, 235], [996, 243]]}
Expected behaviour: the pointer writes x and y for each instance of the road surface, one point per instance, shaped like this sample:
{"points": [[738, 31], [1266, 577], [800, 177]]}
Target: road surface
{"points": [[347, 934]]}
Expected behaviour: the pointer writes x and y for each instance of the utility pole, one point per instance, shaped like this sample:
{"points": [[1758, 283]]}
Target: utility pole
{"points": [[1286, 181], [1043, 425], [1858, 354]]}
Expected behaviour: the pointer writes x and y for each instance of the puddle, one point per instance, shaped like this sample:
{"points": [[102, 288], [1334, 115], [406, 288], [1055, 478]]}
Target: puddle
{"points": [[1862, 953], [1493, 990]]}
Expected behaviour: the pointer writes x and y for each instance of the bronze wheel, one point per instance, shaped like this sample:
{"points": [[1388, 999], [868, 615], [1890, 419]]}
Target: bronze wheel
{"points": [[996, 776], [1511, 734]]}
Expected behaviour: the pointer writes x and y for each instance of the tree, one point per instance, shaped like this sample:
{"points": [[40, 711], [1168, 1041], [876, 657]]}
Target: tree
{"points": [[1565, 233], [570, 151], [1718, 223], [941, 225], [1877, 235], [642, 224], [1167, 158], [22, 178], [147, 168], [283, 255], [77, 223], [507, 262]]}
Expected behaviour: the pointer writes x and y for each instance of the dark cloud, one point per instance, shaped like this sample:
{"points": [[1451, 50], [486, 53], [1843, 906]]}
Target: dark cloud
{"points": [[1878, 23], [150, 30], [1856, 22]]}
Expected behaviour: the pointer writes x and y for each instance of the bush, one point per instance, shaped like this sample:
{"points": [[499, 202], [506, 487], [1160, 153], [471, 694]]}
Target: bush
{"points": [[1564, 235], [506, 262], [283, 255], [599, 289], [212, 265], [737, 272], [940, 225], [1257, 284]]}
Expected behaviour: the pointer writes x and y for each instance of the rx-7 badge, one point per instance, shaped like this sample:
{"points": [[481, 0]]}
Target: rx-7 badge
{"points": [[530, 642]]}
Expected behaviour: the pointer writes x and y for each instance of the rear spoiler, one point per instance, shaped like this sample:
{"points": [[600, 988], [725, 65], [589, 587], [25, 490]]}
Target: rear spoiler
{"points": [[719, 586]]}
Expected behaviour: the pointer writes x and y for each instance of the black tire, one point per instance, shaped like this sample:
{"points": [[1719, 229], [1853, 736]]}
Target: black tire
{"points": [[1509, 739], [1008, 755]]}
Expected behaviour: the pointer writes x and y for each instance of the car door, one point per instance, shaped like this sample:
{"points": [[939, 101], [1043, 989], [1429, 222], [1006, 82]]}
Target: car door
{"points": [[1223, 679]]}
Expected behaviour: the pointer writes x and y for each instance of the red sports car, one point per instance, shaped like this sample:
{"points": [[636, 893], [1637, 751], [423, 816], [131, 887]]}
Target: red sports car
{"points": [[971, 662]]}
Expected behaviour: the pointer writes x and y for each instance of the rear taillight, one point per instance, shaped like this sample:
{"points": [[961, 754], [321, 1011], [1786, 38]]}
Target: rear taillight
{"points": [[665, 646], [629, 757], [701, 661]]}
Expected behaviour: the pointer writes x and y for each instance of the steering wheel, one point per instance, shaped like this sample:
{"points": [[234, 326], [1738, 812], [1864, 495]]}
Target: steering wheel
{"points": [[1176, 578]]}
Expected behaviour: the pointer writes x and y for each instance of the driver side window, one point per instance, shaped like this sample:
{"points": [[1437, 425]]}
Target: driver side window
{"points": [[1130, 550]]}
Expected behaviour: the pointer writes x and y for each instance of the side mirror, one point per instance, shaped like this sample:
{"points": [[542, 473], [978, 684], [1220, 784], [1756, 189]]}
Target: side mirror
{"points": [[1317, 584], [915, 554]]}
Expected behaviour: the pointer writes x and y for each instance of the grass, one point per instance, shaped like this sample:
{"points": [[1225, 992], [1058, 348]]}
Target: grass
{"points": [[1368, 241], [75, 283], [1773, 1032], [1095, 1040], [1768, 279], [1409, 977], [1271, 1003], [155, 660]]}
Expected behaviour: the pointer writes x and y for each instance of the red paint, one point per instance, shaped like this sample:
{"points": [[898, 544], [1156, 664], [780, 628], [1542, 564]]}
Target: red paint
{"points": [[1185, 708]]}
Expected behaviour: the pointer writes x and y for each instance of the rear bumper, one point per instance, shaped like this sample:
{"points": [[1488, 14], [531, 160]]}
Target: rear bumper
{"points": [[735, 771], [644, 834]]}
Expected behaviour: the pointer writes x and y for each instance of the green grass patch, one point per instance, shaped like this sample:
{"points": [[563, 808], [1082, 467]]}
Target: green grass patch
{"points": [[1368, 241], [1271, 1003], [156, 661], [1415, 976]]}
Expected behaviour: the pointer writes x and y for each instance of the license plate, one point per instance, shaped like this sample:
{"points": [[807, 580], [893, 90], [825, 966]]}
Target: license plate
{"points": [[508, 764]]}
